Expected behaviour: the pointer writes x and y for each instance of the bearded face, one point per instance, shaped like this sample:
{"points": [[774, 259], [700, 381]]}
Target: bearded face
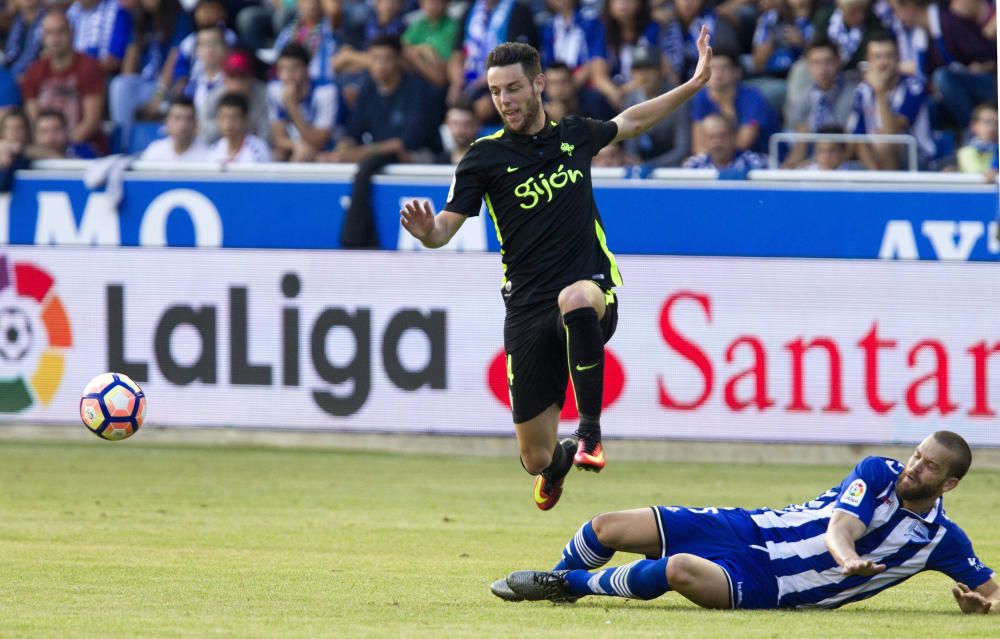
{"points": [[927, 474]]}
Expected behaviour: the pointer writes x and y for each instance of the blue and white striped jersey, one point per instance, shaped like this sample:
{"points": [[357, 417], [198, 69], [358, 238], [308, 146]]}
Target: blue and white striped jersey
{"points": [[906, 542]]}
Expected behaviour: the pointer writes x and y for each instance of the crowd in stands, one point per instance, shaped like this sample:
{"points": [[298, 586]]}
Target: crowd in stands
{"points": [[374, 82]]}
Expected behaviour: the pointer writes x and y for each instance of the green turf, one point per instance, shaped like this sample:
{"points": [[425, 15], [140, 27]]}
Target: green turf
{"points": [[128, 540]]}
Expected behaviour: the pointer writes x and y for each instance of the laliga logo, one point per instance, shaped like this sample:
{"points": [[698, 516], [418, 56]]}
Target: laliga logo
{"points": [[614, 383], [31, 361]]}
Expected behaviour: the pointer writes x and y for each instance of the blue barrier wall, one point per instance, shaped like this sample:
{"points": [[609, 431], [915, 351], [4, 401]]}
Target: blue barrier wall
{"points": [[751, 219]]}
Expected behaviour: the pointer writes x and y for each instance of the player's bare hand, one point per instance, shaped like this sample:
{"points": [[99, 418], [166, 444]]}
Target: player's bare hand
{"points": [[862, 567], [418, 219], [970, 601], [703, 71]]}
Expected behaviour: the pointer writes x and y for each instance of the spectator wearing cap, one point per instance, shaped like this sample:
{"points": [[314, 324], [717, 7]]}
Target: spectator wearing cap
{"points": [[66, 82], [181, 143], [206, 85], [236, 145], [148, 70], [101, 29], [725, 93], [721, 151], [239, 78], [302, 112], [668, 142]]}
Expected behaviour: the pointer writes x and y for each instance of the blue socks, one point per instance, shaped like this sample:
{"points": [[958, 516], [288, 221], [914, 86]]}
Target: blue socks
{"points": [[584, 551], [642, 579]]}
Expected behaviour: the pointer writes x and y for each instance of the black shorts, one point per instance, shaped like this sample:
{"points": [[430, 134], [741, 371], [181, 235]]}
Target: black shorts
{"points": [[537, 365]]}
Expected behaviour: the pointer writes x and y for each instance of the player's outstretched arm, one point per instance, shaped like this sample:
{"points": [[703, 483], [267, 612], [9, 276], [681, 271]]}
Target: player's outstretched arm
{"points": [[433, 231], [841, 533], [983, 600], [637, 119]]}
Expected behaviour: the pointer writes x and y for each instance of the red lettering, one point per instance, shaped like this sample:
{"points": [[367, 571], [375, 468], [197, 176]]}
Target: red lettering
{"points": [[758, 371], [871, 343], [980, 353], [939, 374], [798, 349], [686, 349]]}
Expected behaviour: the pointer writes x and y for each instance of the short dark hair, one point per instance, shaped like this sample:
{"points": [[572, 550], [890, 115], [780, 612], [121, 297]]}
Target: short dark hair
{"points": [[390, 41], [52, 113], [558, 66], [833, 129], [957, 445], [510, 53], [295, 51], [234, 100], [822, 43], [881, 37], [182, 101]]}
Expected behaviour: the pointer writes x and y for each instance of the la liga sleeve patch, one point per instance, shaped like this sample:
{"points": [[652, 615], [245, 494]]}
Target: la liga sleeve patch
{"points": [[855, 493]]}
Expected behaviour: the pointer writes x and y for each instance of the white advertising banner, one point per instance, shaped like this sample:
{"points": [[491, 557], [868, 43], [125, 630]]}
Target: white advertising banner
{"points": [[706, 348]]}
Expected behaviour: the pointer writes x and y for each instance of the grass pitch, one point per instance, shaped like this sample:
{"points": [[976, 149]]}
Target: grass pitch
{"points": [[135, 540]]}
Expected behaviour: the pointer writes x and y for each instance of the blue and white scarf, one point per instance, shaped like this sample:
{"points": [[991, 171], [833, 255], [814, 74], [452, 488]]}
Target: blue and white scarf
{"points": [[847, 39], [484, 30]]}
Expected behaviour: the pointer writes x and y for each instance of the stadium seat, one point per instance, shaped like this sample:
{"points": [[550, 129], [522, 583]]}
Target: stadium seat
{"points": [[142, 134]]}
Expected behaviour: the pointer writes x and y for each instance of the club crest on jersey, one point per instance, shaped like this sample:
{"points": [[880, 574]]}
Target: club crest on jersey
{"points": [[855, 493], [919, 533], [536, 187], [567, 148]]}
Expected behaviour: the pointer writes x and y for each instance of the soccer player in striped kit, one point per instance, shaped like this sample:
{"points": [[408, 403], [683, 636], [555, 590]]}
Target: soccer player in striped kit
{"points": [[883, 524]]}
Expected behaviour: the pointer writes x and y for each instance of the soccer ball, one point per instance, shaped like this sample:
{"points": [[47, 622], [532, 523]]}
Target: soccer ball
{"points": [[15, 334], [112, 406]]}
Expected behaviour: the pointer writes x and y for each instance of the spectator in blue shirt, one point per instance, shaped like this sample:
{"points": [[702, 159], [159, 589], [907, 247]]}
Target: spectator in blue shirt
{"points": [[24, 40], [721, 152], [725, 93], [10, 95], [887, 102], [101, 29]]}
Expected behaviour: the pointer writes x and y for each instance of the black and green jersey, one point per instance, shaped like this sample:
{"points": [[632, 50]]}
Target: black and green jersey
{"points": [[538, 191]]}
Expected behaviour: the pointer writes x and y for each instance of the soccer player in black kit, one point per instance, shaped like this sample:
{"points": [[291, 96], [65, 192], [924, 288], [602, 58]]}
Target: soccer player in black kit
{"points": [[559, 276]]}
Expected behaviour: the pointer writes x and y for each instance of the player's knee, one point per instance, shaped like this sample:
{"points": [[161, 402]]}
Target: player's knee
{"points": [[605, 529], [680, 571], [572, 298], [535, 460]]}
